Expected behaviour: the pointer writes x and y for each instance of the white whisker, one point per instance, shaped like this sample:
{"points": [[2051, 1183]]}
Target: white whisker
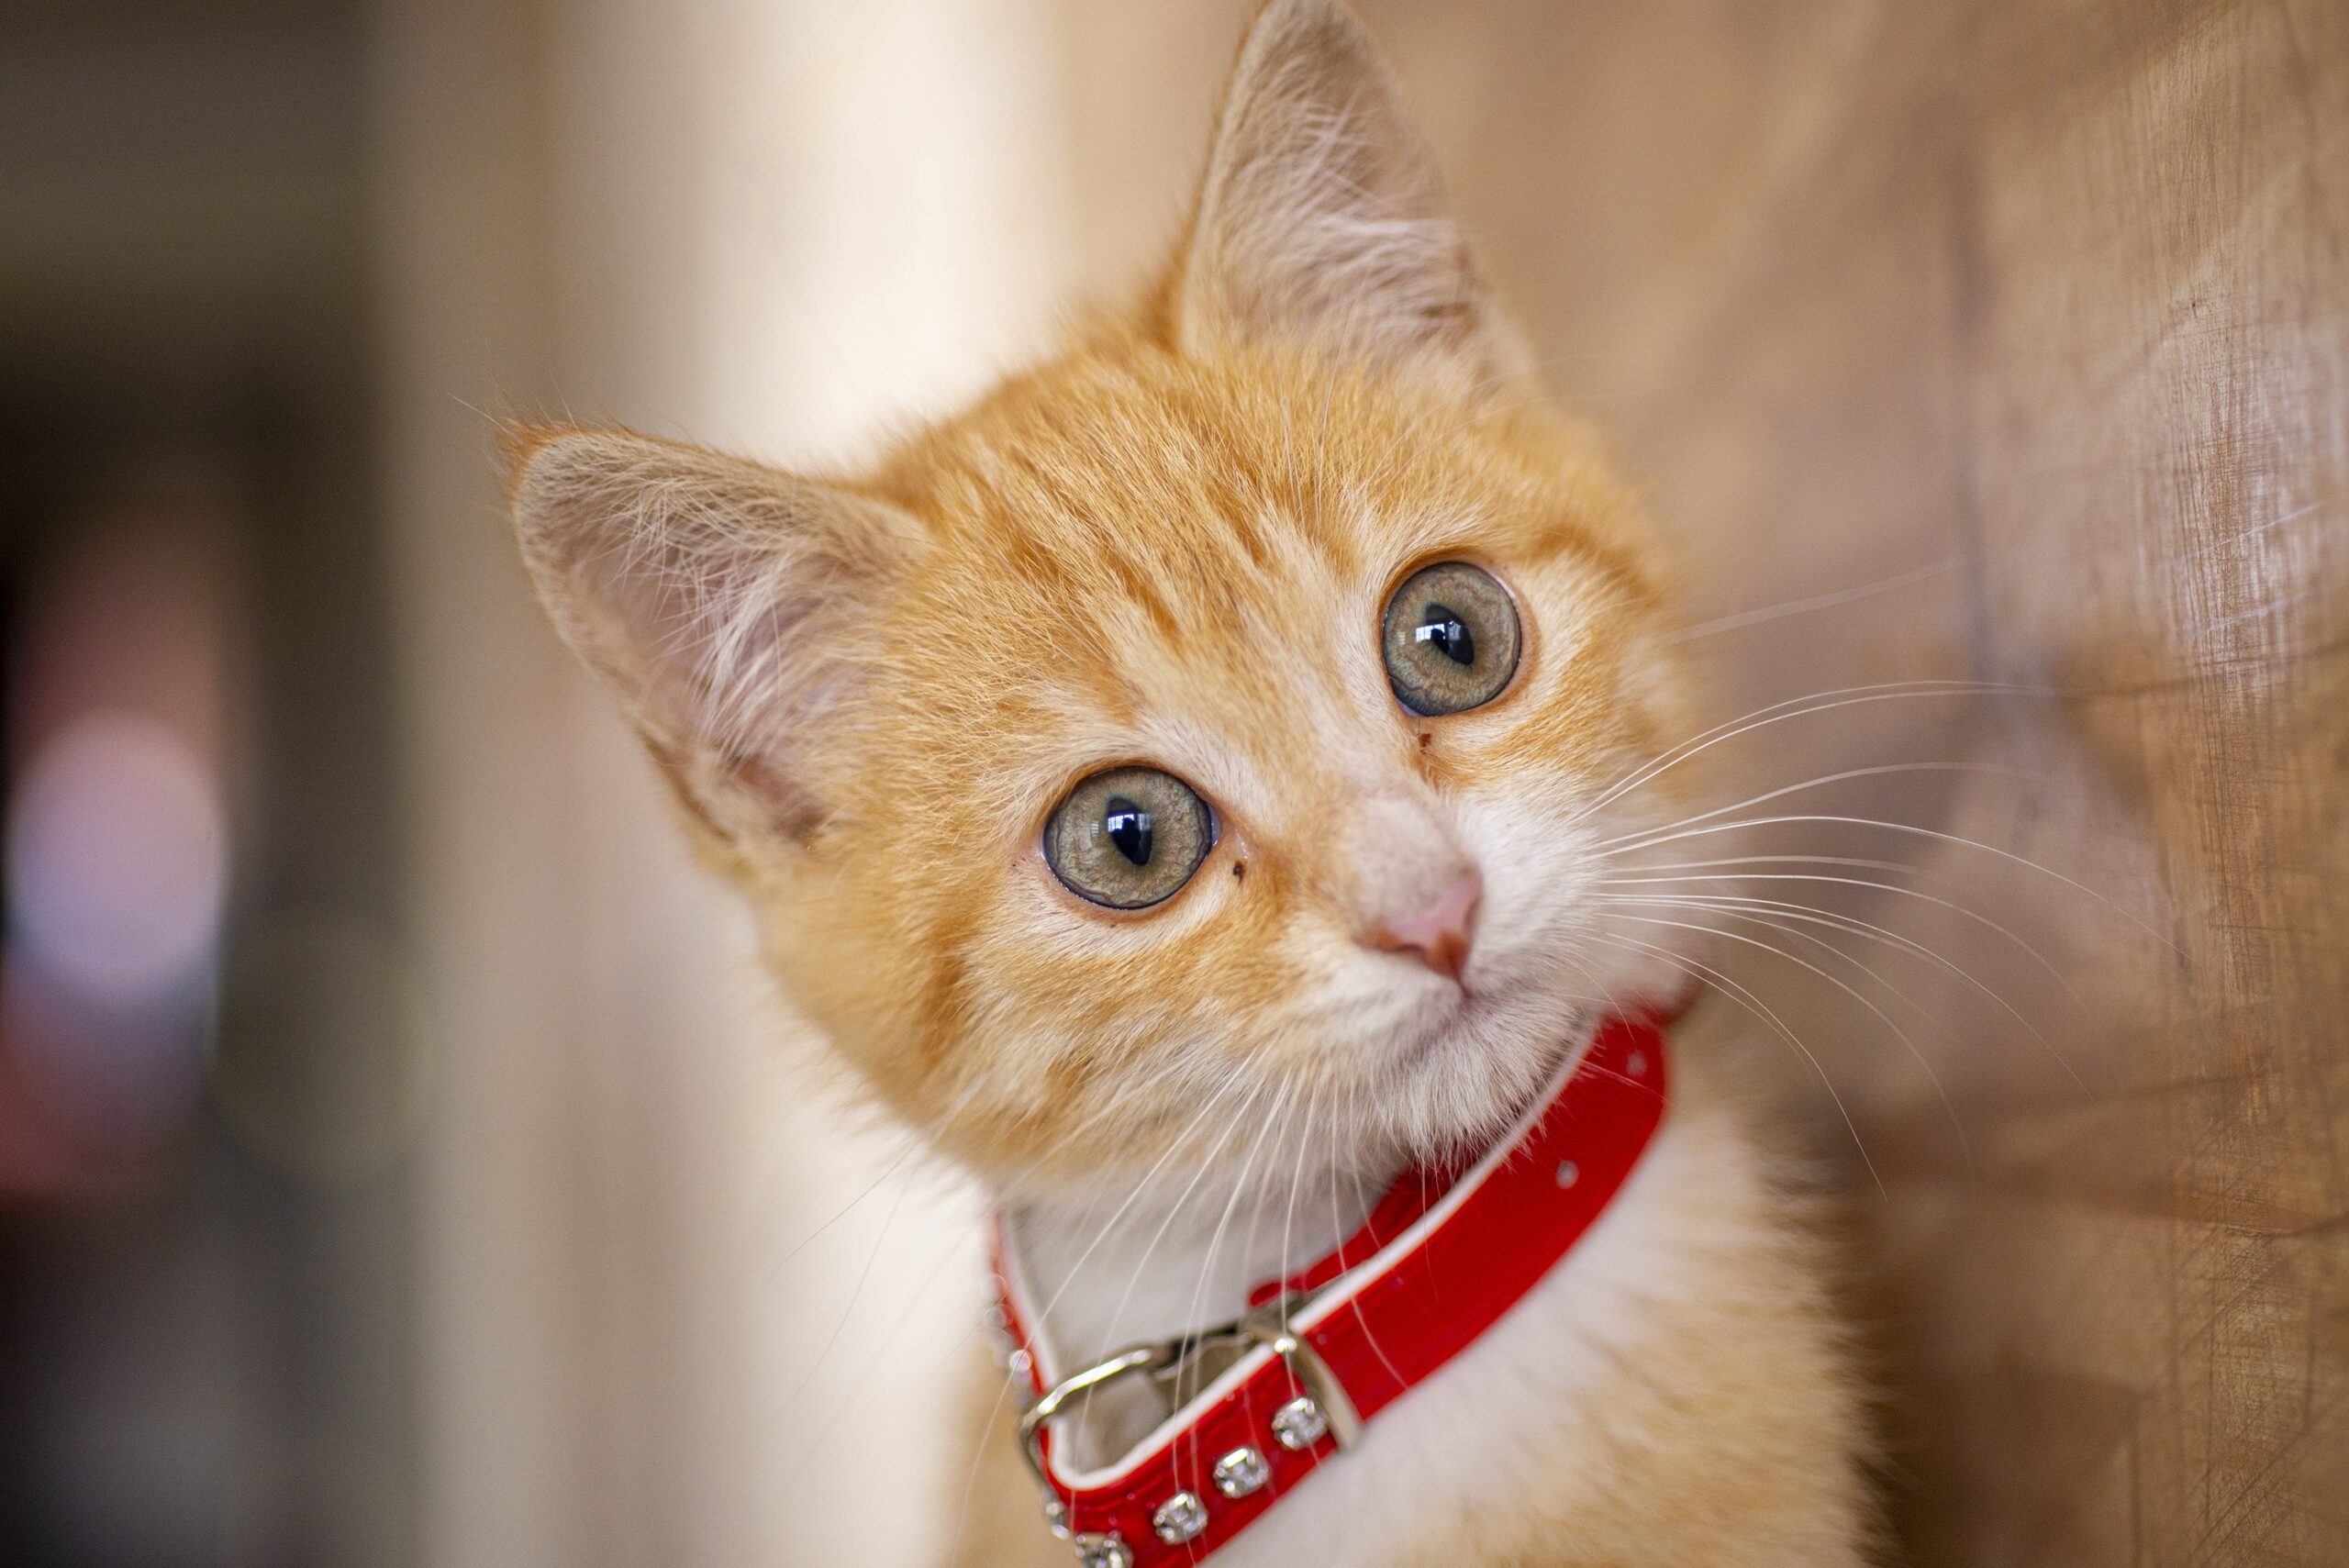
{"points": [[1853, 925], [1821, 782], [1827, 601], [1948, 1106], [1803, 707], [1662, 837], [1763, 1010], [1902, 867]]}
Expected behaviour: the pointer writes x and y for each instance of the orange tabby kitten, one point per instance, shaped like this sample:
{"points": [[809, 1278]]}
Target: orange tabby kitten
{"points": [[1109, 802]]}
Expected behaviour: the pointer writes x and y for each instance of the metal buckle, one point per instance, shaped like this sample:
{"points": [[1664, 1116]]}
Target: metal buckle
{"points": [[1169, 1363], [1148, 1358]]}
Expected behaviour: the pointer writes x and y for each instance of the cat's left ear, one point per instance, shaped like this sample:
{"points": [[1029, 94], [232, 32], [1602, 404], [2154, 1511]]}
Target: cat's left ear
{"points": [[730, 605], [1322, 219]]}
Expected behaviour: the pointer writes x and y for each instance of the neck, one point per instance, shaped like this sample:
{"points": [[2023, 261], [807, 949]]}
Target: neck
{"points": [[1125, 1264]]}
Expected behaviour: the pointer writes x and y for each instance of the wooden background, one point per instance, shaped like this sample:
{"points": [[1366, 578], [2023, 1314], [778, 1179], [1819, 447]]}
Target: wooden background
{"points": [[2031, 321]]}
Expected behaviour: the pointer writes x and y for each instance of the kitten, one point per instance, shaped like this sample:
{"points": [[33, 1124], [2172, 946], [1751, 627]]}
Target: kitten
{"points": [[1183, 786]]}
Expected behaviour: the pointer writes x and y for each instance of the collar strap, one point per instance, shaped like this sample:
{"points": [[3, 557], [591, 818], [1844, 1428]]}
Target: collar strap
{"points": [[1442, 1257]]}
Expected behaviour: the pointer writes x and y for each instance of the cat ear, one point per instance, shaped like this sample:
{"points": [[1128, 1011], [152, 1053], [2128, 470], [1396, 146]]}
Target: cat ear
{"points": [[1322, 217], [727, 604]]}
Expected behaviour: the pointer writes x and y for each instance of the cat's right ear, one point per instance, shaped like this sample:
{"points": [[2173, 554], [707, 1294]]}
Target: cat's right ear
{"points": [[729, 605], [1322, 220]]}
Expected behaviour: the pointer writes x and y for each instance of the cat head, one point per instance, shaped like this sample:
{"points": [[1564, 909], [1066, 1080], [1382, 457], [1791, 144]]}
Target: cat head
{"points": [[1207, 730]]}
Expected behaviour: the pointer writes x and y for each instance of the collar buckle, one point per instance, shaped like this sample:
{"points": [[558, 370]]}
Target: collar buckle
{"points": [[1181, 1368]]}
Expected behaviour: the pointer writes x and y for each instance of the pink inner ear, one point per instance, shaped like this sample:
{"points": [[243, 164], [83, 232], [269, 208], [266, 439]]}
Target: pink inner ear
{"points": [[721, 601], [1322, 217]]}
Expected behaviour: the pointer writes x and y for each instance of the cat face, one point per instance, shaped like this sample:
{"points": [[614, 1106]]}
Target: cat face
{"points": [[1201, 738]]}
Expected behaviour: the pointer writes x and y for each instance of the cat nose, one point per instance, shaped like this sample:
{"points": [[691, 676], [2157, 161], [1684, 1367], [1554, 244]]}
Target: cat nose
{"points": [[1437, 936]]}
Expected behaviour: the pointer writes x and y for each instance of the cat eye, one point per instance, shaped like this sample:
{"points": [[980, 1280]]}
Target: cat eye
{"points": [[1450, 638], [1128, 838]]}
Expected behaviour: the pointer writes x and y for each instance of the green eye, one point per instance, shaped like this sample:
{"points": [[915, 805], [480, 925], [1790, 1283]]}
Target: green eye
{"points": [[1127, 838], [1450, 638]]}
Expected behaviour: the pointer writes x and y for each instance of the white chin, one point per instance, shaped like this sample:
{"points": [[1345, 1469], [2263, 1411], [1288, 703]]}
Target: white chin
{"points": [[1462, 1088]]}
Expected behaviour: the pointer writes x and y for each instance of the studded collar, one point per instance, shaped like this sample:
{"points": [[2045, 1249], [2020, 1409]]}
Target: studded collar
{"points": [[1441, 1258]]}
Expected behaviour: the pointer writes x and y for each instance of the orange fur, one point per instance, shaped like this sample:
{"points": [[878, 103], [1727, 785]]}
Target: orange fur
{"points": [[1171, 544]]}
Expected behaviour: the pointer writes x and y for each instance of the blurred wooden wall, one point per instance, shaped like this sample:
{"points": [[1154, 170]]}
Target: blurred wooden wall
{"points": [[2019, 334]]}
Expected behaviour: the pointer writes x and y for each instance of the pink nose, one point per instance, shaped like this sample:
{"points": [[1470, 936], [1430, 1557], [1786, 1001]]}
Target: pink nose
{"points": [[1438, 935]]}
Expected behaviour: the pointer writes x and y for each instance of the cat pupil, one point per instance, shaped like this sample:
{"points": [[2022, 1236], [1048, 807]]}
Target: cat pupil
{"points": [[1441, 625], [1129, 827]]}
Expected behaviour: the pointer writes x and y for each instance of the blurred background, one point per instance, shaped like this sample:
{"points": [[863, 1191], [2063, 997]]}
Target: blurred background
{"points": [[399, 1161]]}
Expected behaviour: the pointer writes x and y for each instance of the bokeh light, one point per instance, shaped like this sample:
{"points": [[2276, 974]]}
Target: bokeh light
{"points": [[118, 863]]}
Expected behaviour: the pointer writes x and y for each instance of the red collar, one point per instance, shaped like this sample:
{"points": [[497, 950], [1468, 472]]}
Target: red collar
{"points": [[1330, 1348]]}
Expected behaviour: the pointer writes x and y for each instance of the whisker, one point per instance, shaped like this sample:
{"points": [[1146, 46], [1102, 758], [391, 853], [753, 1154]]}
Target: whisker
{"points": [[854, 1296], [1949, 1106], [1827, 601], [1121, 1099], [804, 1466], [2244, 536], [978, 1461], [1338, 1228], [1297, 1176], [1954, 907], [1853, 925], [1256, 1211], [904, 1156], [1238, 1190], [1821, 782], [1933, 833], [1176, 1209], [1803, 707], [995, 1409], [1763, 1010], [1117, 1102]]}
